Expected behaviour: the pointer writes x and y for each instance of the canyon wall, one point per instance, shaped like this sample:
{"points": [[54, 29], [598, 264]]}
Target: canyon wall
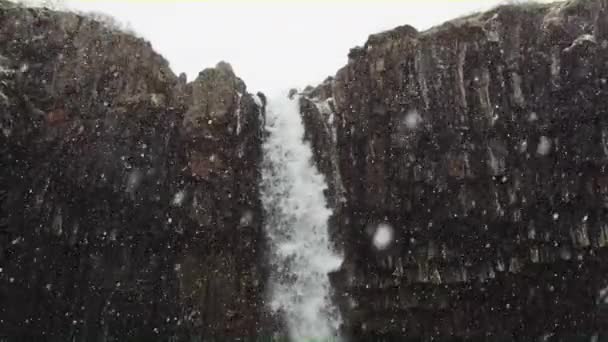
{"points": [[129, 202], [483, 144]]}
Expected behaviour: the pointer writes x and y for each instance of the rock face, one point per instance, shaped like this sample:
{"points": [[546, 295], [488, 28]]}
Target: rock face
{"points": [[480, 146], [128, 198]]}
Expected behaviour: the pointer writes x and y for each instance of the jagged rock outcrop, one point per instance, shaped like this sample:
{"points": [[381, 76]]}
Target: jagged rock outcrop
{"points": [[482, 143], [128, 198]]}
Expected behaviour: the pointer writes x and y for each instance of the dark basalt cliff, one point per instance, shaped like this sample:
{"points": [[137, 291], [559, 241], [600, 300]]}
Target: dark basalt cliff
{"points": [[483, 143], [128, 198]]}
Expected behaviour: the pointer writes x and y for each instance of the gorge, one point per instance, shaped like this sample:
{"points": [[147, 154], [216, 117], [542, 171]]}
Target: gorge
{"points": [[449, 184]]}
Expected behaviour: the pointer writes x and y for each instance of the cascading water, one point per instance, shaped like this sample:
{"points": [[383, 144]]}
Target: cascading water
{"points": [[296, 225]]}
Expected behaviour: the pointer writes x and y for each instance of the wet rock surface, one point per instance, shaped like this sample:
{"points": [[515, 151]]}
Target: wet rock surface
{"points": [[481, 145], [128, 197]]}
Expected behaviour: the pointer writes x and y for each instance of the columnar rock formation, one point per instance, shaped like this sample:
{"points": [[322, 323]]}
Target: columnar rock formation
{"points": [[483, 144], [128, 197]]}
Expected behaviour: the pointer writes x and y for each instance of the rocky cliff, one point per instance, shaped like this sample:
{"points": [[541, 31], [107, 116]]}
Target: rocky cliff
{"points": [[128, 197], [482, 145]]}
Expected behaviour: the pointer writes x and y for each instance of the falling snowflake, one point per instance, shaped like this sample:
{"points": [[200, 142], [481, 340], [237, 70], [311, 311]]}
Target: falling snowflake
{"points": [[544, 146], [413, 119], [383, 236], [178, 198]]}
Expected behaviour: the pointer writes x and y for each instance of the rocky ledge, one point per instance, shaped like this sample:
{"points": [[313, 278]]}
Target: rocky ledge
{"points": [[482, 146]]}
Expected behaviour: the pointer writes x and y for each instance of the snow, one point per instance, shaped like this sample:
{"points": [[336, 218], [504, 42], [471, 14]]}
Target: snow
{"points": [[133, 181], [544, 146], [258, 101], [246, 218], [178, 198], [413, 119], [533, 117], [238, 114], [383, 237]]}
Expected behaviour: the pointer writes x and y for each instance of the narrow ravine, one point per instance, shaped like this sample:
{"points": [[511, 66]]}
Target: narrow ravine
{"points": [[296, 225]]}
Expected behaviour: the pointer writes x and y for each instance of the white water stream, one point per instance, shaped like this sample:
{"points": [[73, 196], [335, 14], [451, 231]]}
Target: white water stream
{"points": [[296, 225]]}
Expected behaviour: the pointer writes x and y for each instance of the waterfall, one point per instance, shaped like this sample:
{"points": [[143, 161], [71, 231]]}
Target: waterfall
{"points": [[296, 226]]}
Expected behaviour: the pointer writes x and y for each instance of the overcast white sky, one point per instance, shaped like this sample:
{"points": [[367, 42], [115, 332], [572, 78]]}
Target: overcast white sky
{"points": [[271, 45]]}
